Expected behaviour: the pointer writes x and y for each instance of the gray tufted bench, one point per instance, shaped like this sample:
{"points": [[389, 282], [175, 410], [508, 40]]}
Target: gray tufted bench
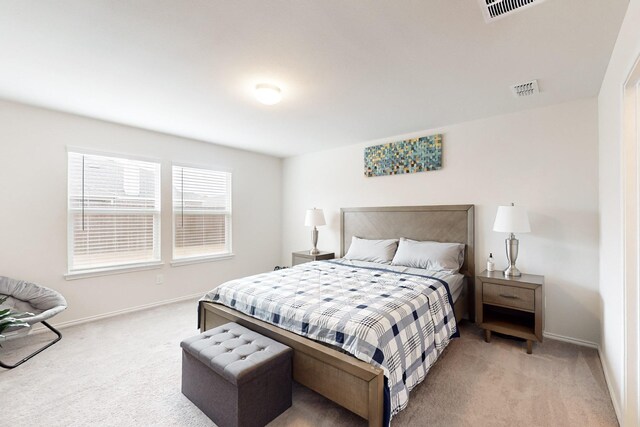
{"points": [[237, 377]]}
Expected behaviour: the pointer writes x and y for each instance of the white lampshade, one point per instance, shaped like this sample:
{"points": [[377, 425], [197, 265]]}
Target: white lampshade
{"points": [[314, 217], [512, 219]]}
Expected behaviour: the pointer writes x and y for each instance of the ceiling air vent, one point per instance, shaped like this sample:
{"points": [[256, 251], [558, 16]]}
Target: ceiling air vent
{"points": [[525, 89], [493, 9]]}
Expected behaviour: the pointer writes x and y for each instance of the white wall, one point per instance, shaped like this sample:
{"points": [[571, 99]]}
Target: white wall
{"points": [[33, 213], [610, 101], [543, 159]]}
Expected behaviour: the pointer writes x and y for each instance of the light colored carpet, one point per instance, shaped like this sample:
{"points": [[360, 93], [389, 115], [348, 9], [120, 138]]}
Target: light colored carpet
{"points": [[125, 371]]}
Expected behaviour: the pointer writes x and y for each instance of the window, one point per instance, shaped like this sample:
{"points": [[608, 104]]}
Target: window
{"points": [[201, 213], [114, 212]]}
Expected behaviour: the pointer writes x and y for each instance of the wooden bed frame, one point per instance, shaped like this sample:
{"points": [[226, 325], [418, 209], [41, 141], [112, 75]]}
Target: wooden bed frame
{"points": [[352, 383]]}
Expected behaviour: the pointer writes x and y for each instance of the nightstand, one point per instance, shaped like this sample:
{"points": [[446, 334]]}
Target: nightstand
{"points": [[304, 256], [510, 305]]}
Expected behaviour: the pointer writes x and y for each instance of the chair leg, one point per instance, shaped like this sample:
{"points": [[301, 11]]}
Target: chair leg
{"points": [[54, 330]]}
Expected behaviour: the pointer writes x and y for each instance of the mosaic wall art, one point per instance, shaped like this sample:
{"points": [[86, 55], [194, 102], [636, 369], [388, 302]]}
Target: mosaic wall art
{"points": [[408, 156]]}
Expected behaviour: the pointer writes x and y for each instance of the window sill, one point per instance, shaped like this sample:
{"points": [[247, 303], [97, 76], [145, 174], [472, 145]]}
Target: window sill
{"points": [[113, 270], [198, 260]]}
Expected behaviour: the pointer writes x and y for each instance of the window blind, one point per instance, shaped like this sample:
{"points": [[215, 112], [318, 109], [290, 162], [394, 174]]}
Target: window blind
{"points": [[201, 212], [114, 212]]}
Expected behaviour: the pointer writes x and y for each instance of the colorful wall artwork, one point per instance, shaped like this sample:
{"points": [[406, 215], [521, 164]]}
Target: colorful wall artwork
{"points": [[408, 156]]}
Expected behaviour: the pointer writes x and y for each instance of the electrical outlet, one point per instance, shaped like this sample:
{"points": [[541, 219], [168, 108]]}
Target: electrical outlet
{"points": [[159, 279]]}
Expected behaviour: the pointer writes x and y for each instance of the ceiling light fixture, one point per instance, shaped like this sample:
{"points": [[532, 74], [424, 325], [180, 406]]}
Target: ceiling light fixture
{"points": [[268, 94]]}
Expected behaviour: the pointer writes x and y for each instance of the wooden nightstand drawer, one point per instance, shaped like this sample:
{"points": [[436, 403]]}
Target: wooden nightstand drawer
{"points": [[508, 296]]}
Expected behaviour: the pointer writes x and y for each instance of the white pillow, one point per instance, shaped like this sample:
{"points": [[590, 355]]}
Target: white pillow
{"points": [[429, 255], [380, 251]]}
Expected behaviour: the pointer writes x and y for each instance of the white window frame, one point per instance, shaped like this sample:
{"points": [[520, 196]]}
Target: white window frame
{"points": [[155, 262], [177, 261]]}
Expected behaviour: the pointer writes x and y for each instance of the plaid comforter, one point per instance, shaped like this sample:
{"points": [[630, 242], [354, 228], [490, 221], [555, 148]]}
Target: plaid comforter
{"points": [[400, 322]]}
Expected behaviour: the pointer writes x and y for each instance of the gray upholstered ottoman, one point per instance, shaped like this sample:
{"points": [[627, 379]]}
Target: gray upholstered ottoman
{"points": [[236, 376]]}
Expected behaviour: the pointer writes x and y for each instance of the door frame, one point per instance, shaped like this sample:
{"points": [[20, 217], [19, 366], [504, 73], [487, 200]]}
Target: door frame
{"points": [[631, 246]]}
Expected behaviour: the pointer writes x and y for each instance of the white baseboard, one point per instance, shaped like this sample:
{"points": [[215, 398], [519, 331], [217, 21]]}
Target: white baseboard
{"points": [[607, 376], [576, 341], [69, 323]]}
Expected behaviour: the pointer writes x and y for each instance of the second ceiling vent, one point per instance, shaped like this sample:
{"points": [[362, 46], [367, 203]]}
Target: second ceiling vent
{"points": [[493, 9]]}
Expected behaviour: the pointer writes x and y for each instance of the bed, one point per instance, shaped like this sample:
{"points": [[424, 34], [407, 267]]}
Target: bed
{"points": [[353, 383]]}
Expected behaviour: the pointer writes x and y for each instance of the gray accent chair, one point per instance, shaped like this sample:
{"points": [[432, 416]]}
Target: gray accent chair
{"points": [[42, 302]]}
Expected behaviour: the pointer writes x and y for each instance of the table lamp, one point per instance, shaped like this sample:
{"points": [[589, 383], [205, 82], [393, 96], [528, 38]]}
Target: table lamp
{"points": [[512, 219], [314, 218]]}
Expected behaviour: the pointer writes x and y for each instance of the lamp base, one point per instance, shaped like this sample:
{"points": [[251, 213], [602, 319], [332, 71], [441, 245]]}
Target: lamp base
{"points": [[314, 238], [511, 246], [512, 271]]}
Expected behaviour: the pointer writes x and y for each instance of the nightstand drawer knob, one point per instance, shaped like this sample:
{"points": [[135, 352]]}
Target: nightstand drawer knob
{"points": [[509, 296]]}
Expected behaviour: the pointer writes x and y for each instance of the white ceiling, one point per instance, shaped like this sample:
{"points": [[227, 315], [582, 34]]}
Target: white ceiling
{"points": [[350, 71]]}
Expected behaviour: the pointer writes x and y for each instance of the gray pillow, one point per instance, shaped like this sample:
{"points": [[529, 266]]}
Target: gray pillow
{"points": [[380, 251], [429, 255]]}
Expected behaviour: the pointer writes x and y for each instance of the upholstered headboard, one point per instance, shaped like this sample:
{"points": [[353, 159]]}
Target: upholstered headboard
{"points": [[453, 223]]}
